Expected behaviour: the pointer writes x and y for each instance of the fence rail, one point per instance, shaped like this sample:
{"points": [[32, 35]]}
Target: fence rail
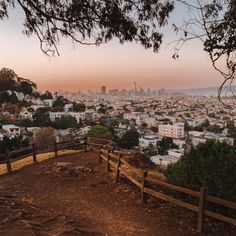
{"points": [[32, 150], [142, 179], [147, 186]]}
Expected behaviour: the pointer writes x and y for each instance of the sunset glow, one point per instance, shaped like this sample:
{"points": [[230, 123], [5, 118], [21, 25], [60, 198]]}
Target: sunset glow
{"points": [[113, 65]]}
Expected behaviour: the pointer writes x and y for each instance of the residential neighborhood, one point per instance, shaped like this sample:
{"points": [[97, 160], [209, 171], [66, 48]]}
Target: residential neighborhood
{"points": [[186, 120]]}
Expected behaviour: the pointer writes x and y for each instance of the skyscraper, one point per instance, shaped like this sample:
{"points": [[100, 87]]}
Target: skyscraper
{"points": [[103, 90], [135, 88]]}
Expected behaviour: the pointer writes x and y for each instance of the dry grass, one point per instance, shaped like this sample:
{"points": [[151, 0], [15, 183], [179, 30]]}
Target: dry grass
{"points": [[29, 160]]}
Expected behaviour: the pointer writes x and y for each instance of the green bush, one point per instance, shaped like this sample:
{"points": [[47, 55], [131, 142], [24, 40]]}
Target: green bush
{"points": [[100, 131], [212, 165], [129, 139]]}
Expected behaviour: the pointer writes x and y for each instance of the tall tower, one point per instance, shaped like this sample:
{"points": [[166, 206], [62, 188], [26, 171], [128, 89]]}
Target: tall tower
{"points": [[103, 90], [135, 88]]}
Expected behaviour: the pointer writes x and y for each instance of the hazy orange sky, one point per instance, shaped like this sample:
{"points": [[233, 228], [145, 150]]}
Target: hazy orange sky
{"points": [[112, 65]]}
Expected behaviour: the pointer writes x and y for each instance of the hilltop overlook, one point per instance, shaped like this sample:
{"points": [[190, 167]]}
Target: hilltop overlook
{"points": [[74, 195]]}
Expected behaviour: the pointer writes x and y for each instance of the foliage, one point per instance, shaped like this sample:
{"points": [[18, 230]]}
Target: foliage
{"points": [[75, 134], [45, 137], [99, 131], [25, 123], [10, 81], [9, 143], [93, 22], [231, 129], [46, 95], [165, 144], [212, 165], [41, 118], [79, 107], [144, 125], [202, 126], [26, 86], [139, 109], [214, 23], [154, 129], [65, 122], [7, 79], [129, 139], [102, 110], [60, 102], [214, 128], [8, 97]]}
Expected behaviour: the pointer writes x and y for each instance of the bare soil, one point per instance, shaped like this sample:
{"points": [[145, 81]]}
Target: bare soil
{"points": [[75, 195]]}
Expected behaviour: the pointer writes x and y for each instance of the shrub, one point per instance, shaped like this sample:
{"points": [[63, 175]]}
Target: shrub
{"points": [[212, 165], [100, 131], [129, 139]]}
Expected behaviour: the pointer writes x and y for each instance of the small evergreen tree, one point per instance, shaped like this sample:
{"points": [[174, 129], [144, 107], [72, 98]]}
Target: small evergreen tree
{"points": [[166, 144], [129, 139], [210, 164]]}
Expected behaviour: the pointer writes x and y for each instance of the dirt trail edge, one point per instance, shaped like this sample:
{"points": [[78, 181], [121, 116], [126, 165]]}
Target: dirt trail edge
{"points": [[74, 195]]}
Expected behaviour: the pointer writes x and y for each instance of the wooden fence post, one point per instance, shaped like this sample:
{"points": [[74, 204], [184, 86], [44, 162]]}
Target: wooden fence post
{"points": [[8, 161], [143, 185], [85, 144], [34, 153], [108, 159], [55, 146], [117, 168], [100, 158], [200, 223]]}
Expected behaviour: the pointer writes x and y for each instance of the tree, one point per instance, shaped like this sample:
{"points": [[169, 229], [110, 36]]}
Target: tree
{"points": [[92, 22], [10, 81], [75, 134], [9, 98], [9, 144], [45, 137], [129, 139], [231, 129], [25, 123], [100, 131], [154, 129], [211, 164], [7, 79], [41, 117], [65, 122], [79, 107], [165, 144], [214, 24], [60, 102], [25, 86], [47, 95]]}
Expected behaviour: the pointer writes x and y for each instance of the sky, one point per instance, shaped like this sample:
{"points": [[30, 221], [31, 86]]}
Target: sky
{"points": [[112, 65]]}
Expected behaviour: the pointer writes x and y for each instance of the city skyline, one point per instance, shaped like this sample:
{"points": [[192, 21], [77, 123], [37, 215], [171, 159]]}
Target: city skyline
{"points": [[114, 65]]}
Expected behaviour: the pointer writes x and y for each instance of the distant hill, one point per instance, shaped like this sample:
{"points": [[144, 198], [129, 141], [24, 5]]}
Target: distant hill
{"points": [[211, 91]]}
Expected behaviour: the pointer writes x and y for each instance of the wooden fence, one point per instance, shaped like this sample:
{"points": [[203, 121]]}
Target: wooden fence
{"points": [[147, 184], [32, 150]]}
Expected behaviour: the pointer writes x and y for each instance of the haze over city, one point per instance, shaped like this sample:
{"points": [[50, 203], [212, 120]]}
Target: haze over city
{"points": [[113, 65]]}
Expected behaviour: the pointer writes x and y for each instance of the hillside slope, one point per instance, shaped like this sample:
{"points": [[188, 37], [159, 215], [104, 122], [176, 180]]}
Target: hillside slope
{"points": [[74, 195]]}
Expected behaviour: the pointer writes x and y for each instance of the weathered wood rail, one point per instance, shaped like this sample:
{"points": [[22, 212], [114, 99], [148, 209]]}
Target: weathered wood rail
{"points": [[146, 183], [32, 150]]}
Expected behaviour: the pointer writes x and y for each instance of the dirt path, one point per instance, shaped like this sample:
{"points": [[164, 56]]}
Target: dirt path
{"points": [[74, 195]]}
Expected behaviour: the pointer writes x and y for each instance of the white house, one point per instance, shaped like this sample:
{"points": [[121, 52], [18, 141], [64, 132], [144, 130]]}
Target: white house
{"points": [[164, 160], [12, 129], [48, 102], [148, 140], [77, 115], [25, 114], [201, 137]]}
